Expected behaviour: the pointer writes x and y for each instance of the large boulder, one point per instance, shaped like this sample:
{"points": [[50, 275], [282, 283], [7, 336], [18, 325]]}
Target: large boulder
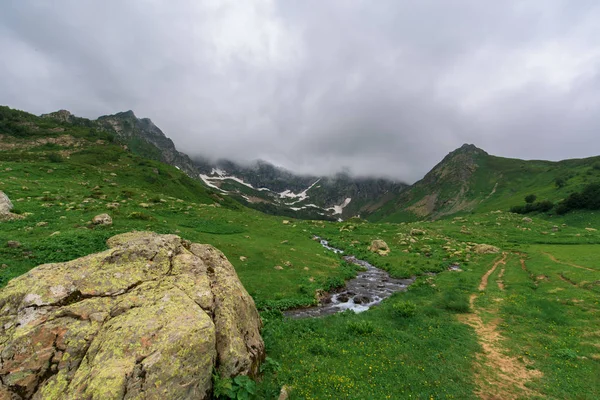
{"points": [[380, 247], [149, 318]]}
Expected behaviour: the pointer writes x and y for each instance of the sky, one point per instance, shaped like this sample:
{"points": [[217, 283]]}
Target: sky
{"points": [[378, 88]]}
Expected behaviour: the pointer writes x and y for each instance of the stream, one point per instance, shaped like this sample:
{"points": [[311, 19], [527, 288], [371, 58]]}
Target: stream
{"points": [[369, 288]]}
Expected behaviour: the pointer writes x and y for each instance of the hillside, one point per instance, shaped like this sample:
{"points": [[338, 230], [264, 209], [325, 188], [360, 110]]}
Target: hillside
{"points": [[471, 180], [259, 185]]}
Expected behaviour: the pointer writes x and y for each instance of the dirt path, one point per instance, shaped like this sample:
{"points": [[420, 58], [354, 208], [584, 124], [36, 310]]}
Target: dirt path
{"points": [[498, 375], [550, 256], [484, 279], [499, 281]]}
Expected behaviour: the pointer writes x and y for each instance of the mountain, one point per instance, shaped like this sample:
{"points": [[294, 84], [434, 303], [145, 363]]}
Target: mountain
{"points": [[259, 185], [269, 188], [470, 180]]}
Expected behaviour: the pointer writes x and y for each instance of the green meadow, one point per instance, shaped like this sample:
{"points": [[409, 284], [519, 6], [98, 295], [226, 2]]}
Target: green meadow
{"points": [[533, 331]]}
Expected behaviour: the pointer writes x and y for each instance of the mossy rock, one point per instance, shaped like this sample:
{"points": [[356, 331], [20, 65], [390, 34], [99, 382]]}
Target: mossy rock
{"points": [[149, 318]]}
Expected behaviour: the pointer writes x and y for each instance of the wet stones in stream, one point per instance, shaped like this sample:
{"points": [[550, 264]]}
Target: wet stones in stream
{"points": [[369, 288]]}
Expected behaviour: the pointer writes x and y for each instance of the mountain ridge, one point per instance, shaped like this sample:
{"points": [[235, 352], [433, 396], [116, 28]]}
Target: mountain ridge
{"points": [[260, 185], [466, 180]]}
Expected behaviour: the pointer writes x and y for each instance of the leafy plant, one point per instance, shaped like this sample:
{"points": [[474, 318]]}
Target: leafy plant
{"points": [[270, 365], [361, 327], [239, 388], [404, 309]]}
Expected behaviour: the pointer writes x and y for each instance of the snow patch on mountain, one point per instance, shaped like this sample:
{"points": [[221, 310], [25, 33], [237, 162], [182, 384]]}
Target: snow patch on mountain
{"points": [[288, 194], [206, 180], [340, 208], [221, 176], [218, 171]]}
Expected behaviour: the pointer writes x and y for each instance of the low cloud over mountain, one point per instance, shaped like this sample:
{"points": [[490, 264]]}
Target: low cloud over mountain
{"points": [[385, 88]]}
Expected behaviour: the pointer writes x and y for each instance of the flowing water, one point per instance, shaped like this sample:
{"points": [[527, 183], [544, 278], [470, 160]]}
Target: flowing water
{"points": [[369, 288]]}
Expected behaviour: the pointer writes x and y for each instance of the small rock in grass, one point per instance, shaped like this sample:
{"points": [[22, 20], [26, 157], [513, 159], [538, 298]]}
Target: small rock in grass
{"points": [[102, 219]]}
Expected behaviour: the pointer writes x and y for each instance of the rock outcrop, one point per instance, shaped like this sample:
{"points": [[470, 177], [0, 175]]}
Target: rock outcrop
{"points": [[149, 318], [485, 249], [5, 203], [380, 247], [5, 207]]}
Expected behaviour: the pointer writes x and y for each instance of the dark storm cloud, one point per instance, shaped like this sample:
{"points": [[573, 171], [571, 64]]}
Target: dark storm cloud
{"points": [[380, 88]]}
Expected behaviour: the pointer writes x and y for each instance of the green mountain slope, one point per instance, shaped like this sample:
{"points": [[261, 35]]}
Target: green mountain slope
{"points": [[470, 180]]}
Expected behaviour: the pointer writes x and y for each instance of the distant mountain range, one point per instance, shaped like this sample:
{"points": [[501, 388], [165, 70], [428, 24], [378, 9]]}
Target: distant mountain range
{"points": [[467, 180], [259, 185]]}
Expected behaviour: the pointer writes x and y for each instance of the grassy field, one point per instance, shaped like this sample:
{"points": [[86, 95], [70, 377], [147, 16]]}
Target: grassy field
{"points": [[531, 331]]}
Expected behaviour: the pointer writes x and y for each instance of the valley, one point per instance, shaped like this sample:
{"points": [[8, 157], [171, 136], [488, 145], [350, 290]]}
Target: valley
{"points": [[499, 305]]}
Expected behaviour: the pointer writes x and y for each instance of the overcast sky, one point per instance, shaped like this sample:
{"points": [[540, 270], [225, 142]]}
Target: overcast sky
{"points": [[379, 87]]}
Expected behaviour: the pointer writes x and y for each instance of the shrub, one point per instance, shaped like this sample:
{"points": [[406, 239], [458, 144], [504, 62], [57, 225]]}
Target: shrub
{"points": [[404, 309], [333, 282], [361, 327], [530, 198], [540, 206], [587, 199], [55, 158]]}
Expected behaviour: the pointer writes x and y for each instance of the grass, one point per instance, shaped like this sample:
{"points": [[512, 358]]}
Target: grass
{"points": [[414, 344]]}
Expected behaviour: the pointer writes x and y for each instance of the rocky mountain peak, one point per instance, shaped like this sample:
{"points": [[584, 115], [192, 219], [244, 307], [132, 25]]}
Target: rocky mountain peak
{"points": [[61, 115], [468, 149]]}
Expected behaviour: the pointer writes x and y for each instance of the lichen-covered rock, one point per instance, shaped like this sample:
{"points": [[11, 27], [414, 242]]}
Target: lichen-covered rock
{"points": [[485, 249], [5, 203], [5, 207], [102, 219], [380, 247], [147, 319]]}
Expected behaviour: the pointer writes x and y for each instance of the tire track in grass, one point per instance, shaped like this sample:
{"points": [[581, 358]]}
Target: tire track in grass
{"points": [[498, 376], [550, 256]]}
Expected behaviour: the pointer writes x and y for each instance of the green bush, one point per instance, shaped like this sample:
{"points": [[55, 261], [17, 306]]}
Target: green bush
{"points": [[530, 198], [333, 282], [540, 206], [55, 158], [361, 328], [404, 309], [587, 199]]}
